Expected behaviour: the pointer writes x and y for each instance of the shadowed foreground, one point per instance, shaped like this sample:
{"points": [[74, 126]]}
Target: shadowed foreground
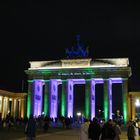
{"points": [[52, 134]]}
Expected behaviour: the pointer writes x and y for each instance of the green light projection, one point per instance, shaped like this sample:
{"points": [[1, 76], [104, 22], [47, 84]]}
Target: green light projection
{"points": [[106, 100], [87, 99], [125, 92], [63, 100], [46, 103], [106, 108], [125, 111], [29, 105], [45, 71], [29, 98]]}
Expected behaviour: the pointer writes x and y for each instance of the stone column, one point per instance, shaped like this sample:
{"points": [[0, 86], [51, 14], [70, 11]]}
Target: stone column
{"points": [[87, 98], [126, 109], [2, 108], [29, 98], [15, 108], [12, 108], [8, 109], [110, 99], [5, 107], [19, 108], [92, 99], [37, 97], [22, 108], [129, 107], [63, 98], [106, 99], [133, 107], [70, 101], [46, 98], [0, 104], [53, 99]]}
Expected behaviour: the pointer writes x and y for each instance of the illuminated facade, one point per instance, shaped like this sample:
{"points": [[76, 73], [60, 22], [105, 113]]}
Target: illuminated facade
{"points": [[13, 103], [46, 76], [134, 105]]}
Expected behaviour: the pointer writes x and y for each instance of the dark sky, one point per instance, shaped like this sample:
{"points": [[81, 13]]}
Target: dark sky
{"points": [[31, 30]]}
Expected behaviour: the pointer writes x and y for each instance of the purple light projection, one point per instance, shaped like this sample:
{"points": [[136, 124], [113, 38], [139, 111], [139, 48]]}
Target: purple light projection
{"points": [[38, 88], [54, 97], [111, 81], [110, 99], [70, 98], [71, 83], [92, 99], [79, 81]]}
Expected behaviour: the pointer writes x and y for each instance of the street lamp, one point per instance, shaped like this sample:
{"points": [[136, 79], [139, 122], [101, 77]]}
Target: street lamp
{"points": [[78, 114], [137, 102]]}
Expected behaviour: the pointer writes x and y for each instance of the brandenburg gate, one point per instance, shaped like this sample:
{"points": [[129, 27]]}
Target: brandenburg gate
{"points": [[46, 76]]}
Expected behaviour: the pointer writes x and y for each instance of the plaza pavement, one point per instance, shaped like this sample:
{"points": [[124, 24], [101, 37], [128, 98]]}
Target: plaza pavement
{"points": [[71, 134]]}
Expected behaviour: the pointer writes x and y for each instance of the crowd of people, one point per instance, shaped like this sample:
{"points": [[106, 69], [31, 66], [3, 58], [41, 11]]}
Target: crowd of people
{"points": [[100, 130], [110, 130], [95, 129]]}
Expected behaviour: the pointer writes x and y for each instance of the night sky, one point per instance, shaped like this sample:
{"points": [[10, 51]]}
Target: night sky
{"points": [[31, 30]]}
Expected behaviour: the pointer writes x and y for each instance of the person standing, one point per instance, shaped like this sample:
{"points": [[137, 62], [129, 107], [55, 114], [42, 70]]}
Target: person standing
{"points": [[94, 130], [131, 131], [84, 130], [117, 130], [139, 127], [31, 128], [108, 132]]}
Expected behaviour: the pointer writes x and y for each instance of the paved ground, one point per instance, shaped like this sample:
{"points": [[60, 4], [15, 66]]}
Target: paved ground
{"points": [[72, 134]]}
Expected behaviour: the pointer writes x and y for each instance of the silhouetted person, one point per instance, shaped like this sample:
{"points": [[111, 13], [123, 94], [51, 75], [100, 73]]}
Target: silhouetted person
{"points": [[94, 129], [108, 132], [131, 131], [31, 128], [117, 130], [84, 130], [46, 123], [139, 127]]}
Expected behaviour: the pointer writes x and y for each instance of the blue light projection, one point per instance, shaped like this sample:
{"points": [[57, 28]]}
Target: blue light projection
{"points": [[79, 50]]}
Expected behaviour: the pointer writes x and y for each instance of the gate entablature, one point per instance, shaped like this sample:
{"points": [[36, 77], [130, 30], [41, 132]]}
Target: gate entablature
{"points": [[117, 67]]}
